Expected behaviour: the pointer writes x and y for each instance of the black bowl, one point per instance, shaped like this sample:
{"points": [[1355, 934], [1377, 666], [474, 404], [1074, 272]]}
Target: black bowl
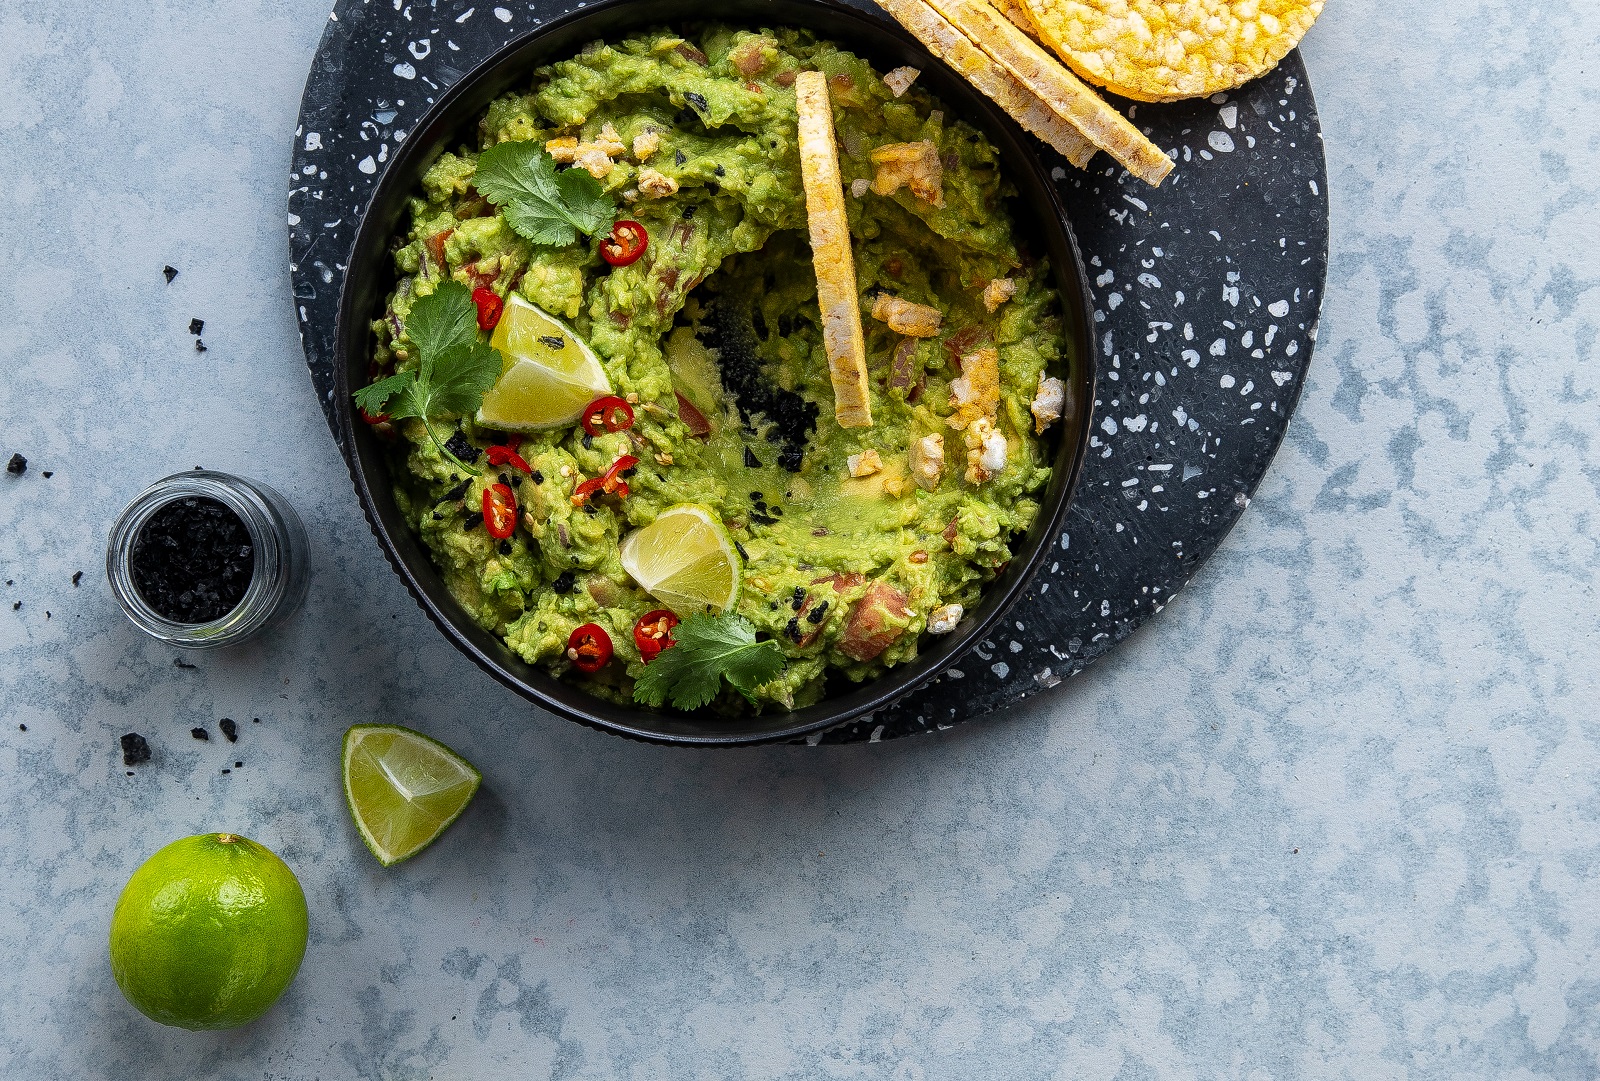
{"points": [[370, 276]]}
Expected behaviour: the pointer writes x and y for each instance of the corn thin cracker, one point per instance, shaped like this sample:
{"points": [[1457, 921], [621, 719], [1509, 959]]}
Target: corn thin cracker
{"points": [[1164, 50]]}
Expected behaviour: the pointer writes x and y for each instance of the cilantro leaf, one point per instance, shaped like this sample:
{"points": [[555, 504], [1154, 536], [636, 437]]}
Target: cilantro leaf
{"points": [[541, 204], [709, 649], [442, 320], [375, 397], [454, 368]]}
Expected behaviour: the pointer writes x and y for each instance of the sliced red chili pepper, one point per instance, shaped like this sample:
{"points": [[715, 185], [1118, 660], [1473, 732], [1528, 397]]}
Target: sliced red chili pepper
{"points": [[692, 418], [381, 418], [489, 307], [653, 633], [589, 648], [608, 483], [499, 456], [611, 414], [626, 243], [499, 511]]}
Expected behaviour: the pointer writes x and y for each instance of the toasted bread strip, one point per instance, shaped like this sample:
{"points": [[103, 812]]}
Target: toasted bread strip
{"points": [[835, 267], [994, 81], [1064, 93]]}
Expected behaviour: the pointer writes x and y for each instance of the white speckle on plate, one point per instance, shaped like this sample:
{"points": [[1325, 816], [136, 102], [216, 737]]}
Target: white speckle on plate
{"points": [[1278, 308], [405, 71], [367, 165], [502, 14]]}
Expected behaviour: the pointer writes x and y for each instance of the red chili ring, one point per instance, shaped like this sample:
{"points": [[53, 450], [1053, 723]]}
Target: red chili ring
{"points": [[589, 648], [653, 633], [499, 511], [490, 305], [603, 415], [627, 242], [499, 456]]}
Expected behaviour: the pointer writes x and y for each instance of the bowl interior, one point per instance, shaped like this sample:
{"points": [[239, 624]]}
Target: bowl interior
{"points": [[370, 276]]}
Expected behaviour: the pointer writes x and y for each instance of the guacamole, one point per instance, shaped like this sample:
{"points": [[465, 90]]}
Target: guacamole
{"points": [[855, 542]]}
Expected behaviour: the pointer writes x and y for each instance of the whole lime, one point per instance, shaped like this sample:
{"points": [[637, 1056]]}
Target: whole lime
{"points": [[208, 932]]}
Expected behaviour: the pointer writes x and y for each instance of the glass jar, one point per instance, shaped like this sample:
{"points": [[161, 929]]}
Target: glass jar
{"points": [[280, 552]]}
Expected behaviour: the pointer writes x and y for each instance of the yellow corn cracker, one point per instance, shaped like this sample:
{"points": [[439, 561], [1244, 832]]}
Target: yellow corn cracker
{"points": [[992, 80], [1017, 13], [1163, 50], [1057, 87], [837, 295]]}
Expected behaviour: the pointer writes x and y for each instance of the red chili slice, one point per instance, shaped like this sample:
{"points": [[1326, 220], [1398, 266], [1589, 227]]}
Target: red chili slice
{"points": [[589, 648], [499, 456], [489, 307], [381, 418], [611, 414], [626, 243], [608, 483], [653, 633], [499, 511]]}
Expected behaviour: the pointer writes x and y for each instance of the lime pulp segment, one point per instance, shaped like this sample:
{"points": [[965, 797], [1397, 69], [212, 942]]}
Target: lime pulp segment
{"points": [[403, 788]]}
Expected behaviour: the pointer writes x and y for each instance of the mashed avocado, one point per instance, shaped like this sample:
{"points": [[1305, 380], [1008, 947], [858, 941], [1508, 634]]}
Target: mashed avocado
{"points": [[717, 327]]}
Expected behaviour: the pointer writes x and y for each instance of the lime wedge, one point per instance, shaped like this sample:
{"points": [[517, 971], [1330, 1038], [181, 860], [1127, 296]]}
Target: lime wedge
{"points": [[403, 788], [685, 559], [548, 373]]}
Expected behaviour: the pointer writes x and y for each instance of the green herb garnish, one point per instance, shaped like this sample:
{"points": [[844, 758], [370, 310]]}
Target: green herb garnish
{"points": [[454, 368], [541, 204], [709, 649]]}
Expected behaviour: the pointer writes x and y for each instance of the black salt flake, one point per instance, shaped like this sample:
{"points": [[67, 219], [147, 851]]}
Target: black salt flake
{"points": [[135, 749], [170, 272], [230, 728], [200, 733], [17, 466], [196, 326]]}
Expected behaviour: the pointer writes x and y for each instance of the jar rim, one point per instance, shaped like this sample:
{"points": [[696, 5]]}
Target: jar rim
{"points": [[261, 596]]}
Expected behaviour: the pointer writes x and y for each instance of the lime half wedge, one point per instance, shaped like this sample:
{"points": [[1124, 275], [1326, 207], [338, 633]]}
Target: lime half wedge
{"points": [[685, 559], [403, 788], [548, 373]]}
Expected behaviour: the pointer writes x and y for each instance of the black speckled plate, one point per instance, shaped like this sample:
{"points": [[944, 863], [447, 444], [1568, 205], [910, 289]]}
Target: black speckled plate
{"points": [[1206, 291]]}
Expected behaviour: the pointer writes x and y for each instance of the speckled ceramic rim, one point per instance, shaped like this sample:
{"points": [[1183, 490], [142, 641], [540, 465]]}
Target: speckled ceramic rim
{"points": [[369, 276]]}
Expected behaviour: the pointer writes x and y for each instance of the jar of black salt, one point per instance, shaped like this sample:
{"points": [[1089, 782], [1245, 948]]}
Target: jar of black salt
{"points": [[205, 559]]}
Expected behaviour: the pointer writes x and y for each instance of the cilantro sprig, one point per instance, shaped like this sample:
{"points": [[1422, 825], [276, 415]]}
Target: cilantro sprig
{"points": [[454, 367], [709, 649], [541, 204]]}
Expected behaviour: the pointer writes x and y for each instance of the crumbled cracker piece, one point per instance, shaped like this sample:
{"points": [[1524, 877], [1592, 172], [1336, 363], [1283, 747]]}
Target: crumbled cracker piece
{"points": [[563, 148], [926, 456], [860, 187], [943, 620], [997, 292], [656, 185], [975, 392], [1048, 403], [913, 165], [900, 79], [986, 451], [645, 144], [905, 317], [864, 464]]}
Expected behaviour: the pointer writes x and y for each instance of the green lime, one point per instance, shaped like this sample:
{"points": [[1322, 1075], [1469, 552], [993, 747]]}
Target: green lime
{"points": [[685, 559], [403, 788], [208, 932]]}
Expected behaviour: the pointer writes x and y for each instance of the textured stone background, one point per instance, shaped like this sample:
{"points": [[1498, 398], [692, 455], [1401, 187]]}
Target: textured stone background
{"points": [[1332, 814]]}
